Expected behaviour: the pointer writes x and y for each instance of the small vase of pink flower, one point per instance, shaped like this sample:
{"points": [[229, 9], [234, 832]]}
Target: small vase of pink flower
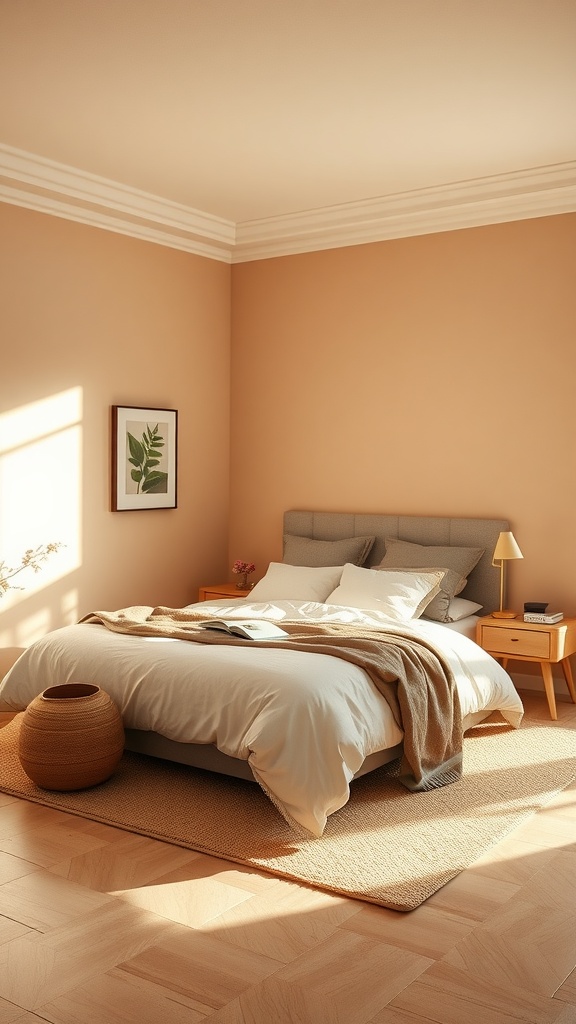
{"points": [[243, 570]]}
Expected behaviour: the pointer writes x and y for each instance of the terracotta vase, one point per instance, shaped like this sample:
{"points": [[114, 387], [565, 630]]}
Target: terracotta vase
{"points": [[71, 737]]}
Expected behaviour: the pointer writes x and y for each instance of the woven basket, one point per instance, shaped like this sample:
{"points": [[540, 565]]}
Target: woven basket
{"points": [[71, 737]]}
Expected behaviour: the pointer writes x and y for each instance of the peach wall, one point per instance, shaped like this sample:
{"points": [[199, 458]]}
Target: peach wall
{"points": [[118, 321], [428, 375]]}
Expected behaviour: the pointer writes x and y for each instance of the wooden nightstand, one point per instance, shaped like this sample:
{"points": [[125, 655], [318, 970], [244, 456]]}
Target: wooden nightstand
{"points": [[212, 593], [532, 641]]}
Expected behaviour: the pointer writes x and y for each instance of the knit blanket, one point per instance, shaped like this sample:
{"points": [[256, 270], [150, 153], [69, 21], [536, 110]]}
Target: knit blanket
{"points": [[409, 672]]}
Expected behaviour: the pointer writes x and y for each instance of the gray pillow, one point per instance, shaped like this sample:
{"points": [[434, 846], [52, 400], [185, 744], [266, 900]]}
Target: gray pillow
{"points": [[458, 563], [305, 551]]}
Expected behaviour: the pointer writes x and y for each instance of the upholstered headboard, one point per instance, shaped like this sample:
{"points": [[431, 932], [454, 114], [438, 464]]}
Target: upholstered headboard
{"points": [[484, 581]]}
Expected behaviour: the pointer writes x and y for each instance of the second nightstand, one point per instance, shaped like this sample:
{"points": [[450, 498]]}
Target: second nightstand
{"points": [[548, 644], [216, 590]]}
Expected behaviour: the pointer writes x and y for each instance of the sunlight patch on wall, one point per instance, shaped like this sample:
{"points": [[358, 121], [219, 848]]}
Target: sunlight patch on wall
{"points": [[31, 628], [40, 489], [69, 605]]}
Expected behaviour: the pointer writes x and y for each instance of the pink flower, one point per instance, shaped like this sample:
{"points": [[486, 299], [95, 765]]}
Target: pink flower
{"points": [[243, 567]]}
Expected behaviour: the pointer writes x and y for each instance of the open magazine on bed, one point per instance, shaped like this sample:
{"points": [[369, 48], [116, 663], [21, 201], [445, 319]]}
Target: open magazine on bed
{"points": [[249, 629]]}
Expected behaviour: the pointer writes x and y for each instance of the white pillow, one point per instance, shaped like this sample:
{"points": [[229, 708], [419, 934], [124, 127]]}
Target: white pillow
{"points": [[284, 582], [460, 608], [399, 593]]}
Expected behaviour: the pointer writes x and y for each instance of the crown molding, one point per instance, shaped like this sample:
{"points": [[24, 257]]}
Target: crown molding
{"points": [[541, 192], [62, 191], [50, 187]]}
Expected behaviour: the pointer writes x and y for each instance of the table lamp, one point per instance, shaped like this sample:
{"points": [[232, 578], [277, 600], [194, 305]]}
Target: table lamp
{"points": [[506, 547]]}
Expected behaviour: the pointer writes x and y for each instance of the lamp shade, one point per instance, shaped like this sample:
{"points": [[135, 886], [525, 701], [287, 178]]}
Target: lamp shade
{"points": [[506, 547]]}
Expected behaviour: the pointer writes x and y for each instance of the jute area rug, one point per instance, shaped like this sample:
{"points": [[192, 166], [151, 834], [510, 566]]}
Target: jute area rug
{"points": [[386, 846]]}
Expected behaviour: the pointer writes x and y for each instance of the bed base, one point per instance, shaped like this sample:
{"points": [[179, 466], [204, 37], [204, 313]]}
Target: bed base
{"points": [[208, 757]]}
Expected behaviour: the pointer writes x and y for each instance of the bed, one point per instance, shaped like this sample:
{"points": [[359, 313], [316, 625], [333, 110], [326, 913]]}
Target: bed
{"points": [[299, 718]]}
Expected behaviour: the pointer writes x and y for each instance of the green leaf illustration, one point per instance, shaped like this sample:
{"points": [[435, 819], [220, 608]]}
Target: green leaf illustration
{"points": [[144, 455]]}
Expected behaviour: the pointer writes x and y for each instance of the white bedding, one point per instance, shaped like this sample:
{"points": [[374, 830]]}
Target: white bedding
{"points": [[304, 722]]}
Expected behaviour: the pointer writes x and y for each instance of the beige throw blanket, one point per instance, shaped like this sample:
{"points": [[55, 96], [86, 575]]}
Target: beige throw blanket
{"points": [[411, 674]]}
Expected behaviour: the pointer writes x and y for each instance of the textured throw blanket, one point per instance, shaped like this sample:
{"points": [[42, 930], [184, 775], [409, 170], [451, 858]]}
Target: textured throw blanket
{"points": [[411, 675]]}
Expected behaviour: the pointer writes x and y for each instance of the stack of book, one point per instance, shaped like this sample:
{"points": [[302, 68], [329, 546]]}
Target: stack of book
{"points": [[546, 617]]}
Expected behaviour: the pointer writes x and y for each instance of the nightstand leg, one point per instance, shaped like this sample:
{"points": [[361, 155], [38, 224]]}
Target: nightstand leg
{"points": [[549, 687], [567, 670]]}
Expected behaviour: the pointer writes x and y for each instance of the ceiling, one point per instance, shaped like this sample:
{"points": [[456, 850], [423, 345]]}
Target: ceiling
{"points": [[246, 128]]}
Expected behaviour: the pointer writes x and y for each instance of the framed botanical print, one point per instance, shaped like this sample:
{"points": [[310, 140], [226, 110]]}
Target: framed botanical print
{"points": [[144, 458]]}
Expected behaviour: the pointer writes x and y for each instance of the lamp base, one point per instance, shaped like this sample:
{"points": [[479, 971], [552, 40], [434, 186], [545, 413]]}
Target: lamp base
{"points": [[505, 614]]}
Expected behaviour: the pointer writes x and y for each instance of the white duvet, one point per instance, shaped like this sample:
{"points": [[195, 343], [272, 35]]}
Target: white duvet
{"points": [[304, 722]]}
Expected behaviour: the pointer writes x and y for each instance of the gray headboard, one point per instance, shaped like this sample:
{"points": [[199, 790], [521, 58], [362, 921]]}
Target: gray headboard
{"points": [[484, 581]]}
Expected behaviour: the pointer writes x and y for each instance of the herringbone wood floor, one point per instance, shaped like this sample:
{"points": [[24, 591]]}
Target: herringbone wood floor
{"points": [[98, 926]]}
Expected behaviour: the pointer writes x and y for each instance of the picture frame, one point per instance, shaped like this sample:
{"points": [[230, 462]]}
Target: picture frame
{"points": [[144, 458]]}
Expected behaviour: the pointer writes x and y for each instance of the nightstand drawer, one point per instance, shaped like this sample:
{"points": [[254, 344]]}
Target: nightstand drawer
{"points": [[221, 590], [522, 643]]}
